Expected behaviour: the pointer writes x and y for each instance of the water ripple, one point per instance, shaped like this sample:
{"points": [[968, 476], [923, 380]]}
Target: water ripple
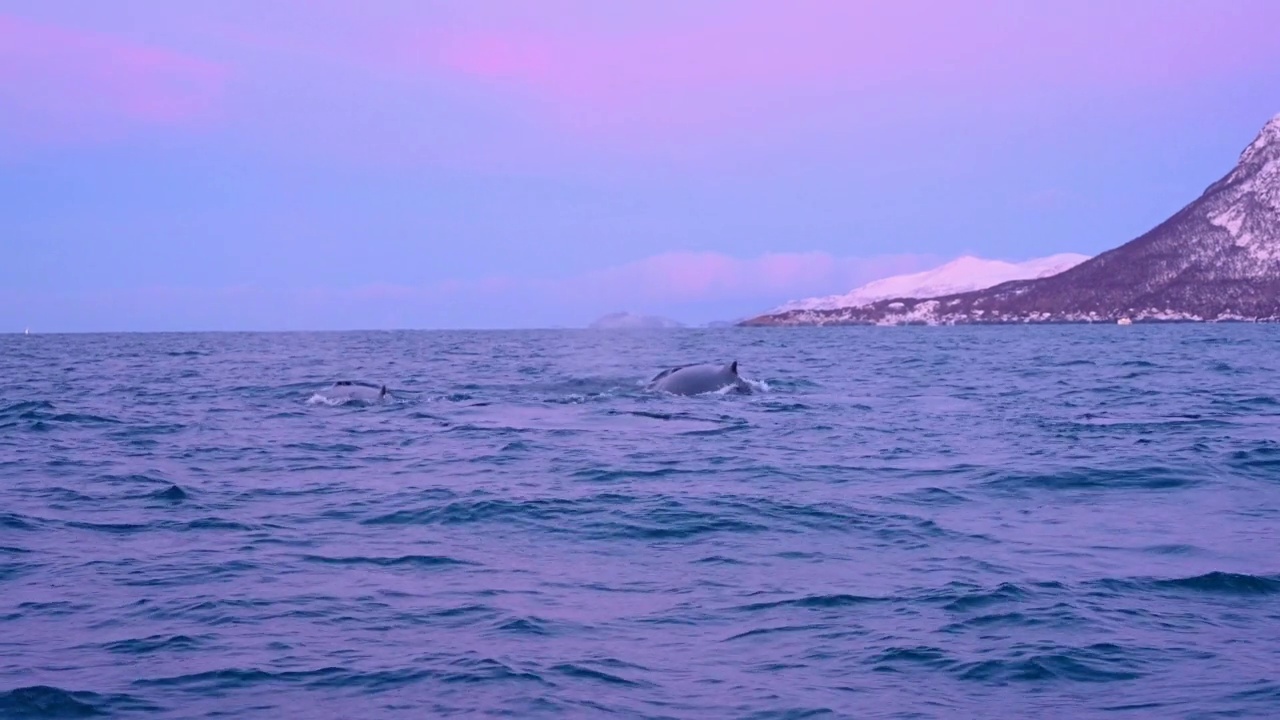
{"points": [[900, 522]]}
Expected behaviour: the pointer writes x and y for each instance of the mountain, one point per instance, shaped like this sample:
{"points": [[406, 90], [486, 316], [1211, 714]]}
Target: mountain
{"points": [[960, 275], [1216, 259], [631, 321]]}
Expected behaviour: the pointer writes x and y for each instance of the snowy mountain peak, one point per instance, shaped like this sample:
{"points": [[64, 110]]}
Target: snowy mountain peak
{"points": [[1246, 203], [1264, 150], [963, 274], [1272, 127]]}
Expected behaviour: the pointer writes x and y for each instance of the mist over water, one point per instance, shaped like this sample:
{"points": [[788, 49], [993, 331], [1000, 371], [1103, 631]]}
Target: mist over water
{"points": [[1070, 521]]}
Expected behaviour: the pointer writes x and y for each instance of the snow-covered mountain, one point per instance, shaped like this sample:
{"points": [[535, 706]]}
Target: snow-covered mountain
{"points": [[960, 275], [1216, 259], [631, 321]]}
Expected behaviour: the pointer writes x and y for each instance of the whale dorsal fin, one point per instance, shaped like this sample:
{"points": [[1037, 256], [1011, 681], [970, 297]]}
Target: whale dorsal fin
{"points": [[733, 367], [384, 391]]}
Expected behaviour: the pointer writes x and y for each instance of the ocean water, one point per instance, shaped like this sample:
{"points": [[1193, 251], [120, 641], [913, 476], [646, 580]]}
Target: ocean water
{"points": [[901, 523]]}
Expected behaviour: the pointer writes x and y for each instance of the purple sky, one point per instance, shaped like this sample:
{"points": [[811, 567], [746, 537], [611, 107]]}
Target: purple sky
{"points": [[261, 164]]}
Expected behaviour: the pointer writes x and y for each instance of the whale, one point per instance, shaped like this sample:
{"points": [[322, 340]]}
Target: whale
{"points": [[700, 378], [346, 391]]}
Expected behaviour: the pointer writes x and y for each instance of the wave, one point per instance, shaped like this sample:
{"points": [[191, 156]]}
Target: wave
{"points": [[612, 475], [416, 561], [669, 526], [44, 701], [16, 521], [1224, 582], [157, 644], [474, 511], [1153, 478], [582, 672], [1261, 460], [532, 626], [236, 679], [979, 598], [820, 602], [26, 409], [782, 629], [1216, 582], [1095, 664], [42, 416]]}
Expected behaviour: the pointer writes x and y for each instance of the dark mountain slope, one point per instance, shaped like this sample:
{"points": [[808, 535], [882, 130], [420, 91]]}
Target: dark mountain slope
{"points": [[1216, 259]]}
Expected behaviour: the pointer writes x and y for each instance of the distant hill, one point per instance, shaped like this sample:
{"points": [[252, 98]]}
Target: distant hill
{"points": [[628, 321], [1216, 259]]}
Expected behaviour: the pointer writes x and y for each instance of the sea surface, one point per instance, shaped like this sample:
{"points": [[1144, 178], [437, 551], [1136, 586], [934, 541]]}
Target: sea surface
{"points": [[1066, 522]]}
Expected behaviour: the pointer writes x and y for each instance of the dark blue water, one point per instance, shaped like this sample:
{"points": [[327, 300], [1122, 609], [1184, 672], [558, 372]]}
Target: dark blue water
{"points": [[909, 522]]}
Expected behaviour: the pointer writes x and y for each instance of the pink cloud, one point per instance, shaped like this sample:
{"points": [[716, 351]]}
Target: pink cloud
{"points": [[381, 291], [669, 278], [761, 60], [59, 84], [673, 282], [674, 278], [688, 277], [477, 85], [497, 58]]}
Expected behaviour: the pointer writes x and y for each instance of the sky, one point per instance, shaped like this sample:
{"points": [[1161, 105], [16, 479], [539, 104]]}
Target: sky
{"points": [[329, 165]]}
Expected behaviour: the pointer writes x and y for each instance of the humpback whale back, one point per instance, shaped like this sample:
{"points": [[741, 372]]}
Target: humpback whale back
{"points": [[698, 379], [343, 392]]}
